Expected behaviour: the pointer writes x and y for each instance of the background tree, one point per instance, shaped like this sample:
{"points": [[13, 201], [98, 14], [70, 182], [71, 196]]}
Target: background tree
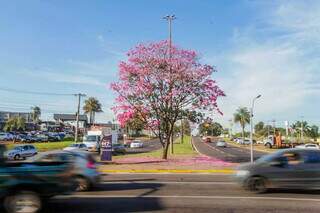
{"points": [[135, 124], [259, 129], [15, 124], [35, 114], [211, 129], [91, 107], [159, 83], [297, 128], [242, 116], [314, 132]]}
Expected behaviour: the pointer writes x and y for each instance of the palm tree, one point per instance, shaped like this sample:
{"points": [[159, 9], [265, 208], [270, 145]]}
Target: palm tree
{"points": [[242, 116], [36, 112], [91, 106], [15, 124]]}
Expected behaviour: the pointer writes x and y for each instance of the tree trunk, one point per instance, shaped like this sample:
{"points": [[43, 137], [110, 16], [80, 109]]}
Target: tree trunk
{"points": [[93, 117], [171, 139], [243, 133], [182, 132], [165, 149]]}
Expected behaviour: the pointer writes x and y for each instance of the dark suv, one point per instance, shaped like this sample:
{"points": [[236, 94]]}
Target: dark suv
{"points": [[289, 168]]}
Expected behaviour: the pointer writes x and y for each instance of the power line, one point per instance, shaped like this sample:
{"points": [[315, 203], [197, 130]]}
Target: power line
{"points": [[34, 93]]}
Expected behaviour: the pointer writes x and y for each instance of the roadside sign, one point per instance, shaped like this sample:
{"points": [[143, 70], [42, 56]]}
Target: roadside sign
{"points": [[106, 148]]}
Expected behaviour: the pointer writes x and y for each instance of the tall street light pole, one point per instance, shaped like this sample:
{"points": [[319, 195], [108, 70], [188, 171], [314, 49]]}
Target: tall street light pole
{"points": [[77, 116], [251, 128], [170, 18]]}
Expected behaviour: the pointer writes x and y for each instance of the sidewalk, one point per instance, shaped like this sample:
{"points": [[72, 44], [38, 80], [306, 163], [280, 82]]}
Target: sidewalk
{"points": [[181, 164]]}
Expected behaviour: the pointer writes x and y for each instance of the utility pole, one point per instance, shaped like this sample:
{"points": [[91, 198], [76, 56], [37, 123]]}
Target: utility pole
{"points": [[170, 18], [230, 129], [251, 128], [274, 126], [302, 128], [77, 115]]}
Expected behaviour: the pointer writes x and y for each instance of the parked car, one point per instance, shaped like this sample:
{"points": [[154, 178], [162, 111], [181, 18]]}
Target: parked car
{"points": [[76, 147], [30, 139], [221, 144], [19, 137], [24, 185], [127, 143], [83, 166], [21, 152], [289, 168], [118, 148], [4, 136], [41, 138], [136, 144], [308, 146]]}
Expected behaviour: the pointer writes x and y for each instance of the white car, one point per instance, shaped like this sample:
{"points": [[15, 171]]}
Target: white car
{"points": [[19, 152], [221, 144], [136, 144], [76, 147], [308, 146]]}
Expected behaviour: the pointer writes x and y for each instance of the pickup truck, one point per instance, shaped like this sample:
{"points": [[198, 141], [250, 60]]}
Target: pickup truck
{"points": [[25, 185]]}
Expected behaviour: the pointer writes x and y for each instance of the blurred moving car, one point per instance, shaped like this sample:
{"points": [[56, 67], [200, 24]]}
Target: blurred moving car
{"points": [[76, 147], [221, 144], [21, 152], [118, 148], [289, 168], [308, 146], [83, 166], [206, 139], [24, 185], [136, 144]]}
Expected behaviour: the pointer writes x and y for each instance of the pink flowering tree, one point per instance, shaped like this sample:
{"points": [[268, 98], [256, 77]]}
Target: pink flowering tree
{"points": [[160, 85]]}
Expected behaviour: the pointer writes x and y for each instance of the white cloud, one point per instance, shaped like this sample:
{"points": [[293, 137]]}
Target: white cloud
{"points": [[74, 78], [282, 65]]}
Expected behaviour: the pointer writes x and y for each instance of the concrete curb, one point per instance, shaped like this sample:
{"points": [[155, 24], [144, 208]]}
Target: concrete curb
{"points": [[171, 171]]}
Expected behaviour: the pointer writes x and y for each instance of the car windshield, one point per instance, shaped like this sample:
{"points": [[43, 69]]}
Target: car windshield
{"points": [[267, 158], [90, 138], [18, 148]]}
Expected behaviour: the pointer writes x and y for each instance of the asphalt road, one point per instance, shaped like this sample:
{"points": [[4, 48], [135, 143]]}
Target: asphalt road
{"points": [[230, 153], [148, 146], [181, 193]]}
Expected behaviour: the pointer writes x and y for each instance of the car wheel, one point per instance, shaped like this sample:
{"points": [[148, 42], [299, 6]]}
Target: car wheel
{"points": [[257, 185], [268, 145], [16, 157], [82, 184], [24, 202]]}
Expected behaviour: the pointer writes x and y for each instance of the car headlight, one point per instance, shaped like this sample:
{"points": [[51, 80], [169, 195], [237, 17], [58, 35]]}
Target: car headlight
{"points": [[242, 173]]}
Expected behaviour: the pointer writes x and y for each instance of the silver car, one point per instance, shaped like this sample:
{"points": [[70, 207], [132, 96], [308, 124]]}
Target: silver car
{"points": [[21, 152], [84, 167]]}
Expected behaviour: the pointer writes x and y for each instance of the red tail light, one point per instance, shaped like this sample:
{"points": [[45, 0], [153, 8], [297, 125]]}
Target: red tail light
{"points": [[91, 165]]}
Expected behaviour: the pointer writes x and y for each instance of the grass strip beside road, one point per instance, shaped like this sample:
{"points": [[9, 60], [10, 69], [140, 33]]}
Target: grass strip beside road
{"points": [[171, 171], [180, 149], [44, 146]]}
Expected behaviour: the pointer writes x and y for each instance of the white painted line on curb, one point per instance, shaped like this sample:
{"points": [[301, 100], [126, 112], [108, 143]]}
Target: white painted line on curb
{"points": [[168, 173], [170, 182], [188, 197]]}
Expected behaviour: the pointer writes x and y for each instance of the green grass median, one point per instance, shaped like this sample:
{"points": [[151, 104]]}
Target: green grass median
{"points": [[44, 146], [179, 149]]}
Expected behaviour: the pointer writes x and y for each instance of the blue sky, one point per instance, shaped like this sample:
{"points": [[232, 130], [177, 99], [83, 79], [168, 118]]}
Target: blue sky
{"points": [[267, 47]]}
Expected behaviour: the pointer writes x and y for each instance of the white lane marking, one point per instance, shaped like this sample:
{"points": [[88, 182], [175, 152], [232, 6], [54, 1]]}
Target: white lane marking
{"points": [[187, 196], [222, 152], [106, 174], [171, 182]]}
